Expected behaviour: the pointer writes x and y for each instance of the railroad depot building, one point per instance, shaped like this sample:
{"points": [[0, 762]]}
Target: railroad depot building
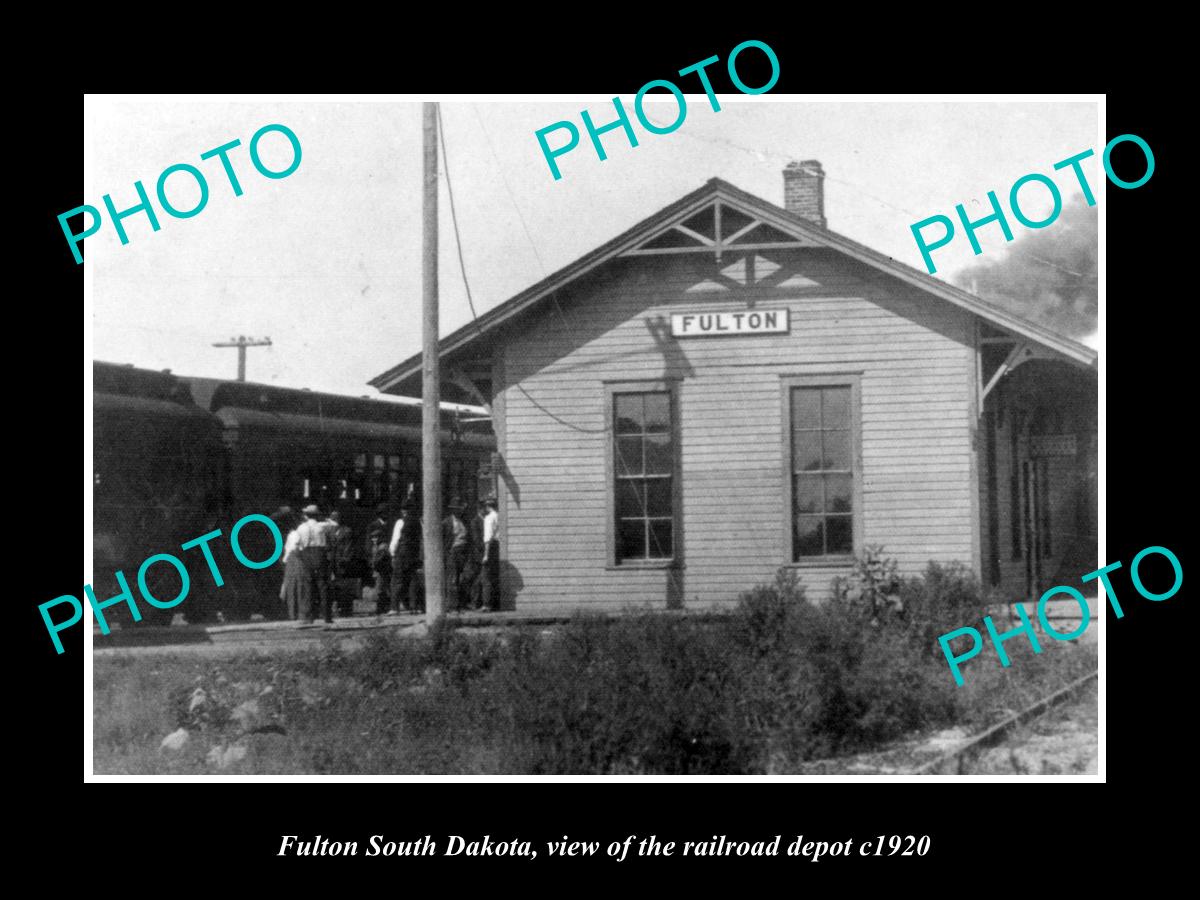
{"points": [[729, 387]]}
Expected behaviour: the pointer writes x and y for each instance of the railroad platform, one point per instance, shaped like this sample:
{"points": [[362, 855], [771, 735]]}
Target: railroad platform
{"points": [[1064, 615]]}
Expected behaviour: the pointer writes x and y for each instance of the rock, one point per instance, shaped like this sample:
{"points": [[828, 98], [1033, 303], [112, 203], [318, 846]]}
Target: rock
{"points": [[247, 715], [199, 698], [223, 757], [309, 690], [175, 740], [946, 740], [269, 689]]}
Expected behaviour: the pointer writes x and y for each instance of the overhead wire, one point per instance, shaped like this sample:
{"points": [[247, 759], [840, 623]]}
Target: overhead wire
{"points": [[467, 286], [644, 493]]}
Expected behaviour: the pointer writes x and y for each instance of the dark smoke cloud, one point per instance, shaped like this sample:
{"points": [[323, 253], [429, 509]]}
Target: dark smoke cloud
{"points": [[1048, 276]]}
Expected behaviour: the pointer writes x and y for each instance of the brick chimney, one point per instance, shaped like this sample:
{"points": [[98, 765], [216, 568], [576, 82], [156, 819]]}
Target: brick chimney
{"points": [[804, 190]]}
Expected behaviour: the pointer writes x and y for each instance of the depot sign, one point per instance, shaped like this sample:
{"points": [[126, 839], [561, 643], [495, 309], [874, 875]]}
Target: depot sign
{"points": [[760, 321]]}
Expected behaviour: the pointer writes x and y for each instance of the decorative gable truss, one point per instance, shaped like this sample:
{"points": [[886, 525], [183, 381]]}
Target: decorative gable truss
{"points": [[717, 228]]}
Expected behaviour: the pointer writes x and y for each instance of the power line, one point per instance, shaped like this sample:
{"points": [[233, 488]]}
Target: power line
{"points": [[504, 180], [467, 286]]}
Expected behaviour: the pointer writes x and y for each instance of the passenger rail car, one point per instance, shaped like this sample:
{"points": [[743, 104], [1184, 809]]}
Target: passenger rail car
{"points": [[219, 450], [158, 478]]}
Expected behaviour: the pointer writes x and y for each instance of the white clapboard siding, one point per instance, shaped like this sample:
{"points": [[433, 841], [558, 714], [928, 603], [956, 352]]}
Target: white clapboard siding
{"points": [[914, 353]]}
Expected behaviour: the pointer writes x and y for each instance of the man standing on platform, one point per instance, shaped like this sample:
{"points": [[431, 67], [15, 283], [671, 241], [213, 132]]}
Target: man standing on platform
{"points": [[312, 546], [405, 548], [490, 574], [341, 561], [379, 559], [454, 540]]}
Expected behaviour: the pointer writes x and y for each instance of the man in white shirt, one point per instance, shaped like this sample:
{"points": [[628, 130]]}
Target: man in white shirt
{"points": [[310, 541], [405, 549], [490, 576]]}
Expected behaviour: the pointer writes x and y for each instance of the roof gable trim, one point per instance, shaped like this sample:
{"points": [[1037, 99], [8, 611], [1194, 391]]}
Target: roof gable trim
{"points": [[720, 195]]}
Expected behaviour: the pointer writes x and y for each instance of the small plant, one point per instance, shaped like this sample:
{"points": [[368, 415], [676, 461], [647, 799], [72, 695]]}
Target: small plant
{"points": [[873, 586]]}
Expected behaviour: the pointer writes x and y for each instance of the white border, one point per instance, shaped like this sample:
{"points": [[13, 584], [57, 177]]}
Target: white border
{"points": [[93, 102]]}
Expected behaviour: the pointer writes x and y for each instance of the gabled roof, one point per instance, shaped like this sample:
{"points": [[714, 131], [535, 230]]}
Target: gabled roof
{"points": [[717, 190]]}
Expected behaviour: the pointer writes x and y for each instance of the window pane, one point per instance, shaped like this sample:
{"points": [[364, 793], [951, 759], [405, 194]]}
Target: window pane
{"points": [[806, 451], [808, 494], [806, 407], [838, 493], [836, 403], [628, 413], [631, 499], [658, 412], [839, 534], [631, 539], [658, 454], [360, 461], [394, 462], [660, 539], [837, 450], [378, 460], [658, 497], [629, 456], [807, 538]]}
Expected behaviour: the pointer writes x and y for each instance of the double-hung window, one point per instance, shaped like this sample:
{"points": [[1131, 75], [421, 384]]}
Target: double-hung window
{"points": [[822, 467], [644, 480]]}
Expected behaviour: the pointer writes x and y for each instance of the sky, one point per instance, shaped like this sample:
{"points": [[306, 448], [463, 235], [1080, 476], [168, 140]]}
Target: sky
{"points": [[327, 261]]}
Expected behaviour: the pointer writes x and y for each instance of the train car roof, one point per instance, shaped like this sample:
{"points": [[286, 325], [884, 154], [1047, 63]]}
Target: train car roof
{"points": [[130, 381], [216, 394], [126, 387], [319, 428]]}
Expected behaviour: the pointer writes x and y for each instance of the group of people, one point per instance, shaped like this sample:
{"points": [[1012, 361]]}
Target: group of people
{"points": [[317, 551], [320, 550], [471, 558]]}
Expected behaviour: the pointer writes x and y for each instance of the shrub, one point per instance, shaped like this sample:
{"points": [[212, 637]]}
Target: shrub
{"points": [[644, 693], [855, 671], [779, 681]]}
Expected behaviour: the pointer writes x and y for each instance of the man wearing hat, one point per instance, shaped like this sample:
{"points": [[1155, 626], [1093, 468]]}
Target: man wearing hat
{"points": [[379, 559], [454, 542], [405, 548], [489, 575], [312, 546]]}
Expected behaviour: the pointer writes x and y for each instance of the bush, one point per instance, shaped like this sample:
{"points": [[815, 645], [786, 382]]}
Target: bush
{"points": [[857, 670], [643, 693], [780, 681]]}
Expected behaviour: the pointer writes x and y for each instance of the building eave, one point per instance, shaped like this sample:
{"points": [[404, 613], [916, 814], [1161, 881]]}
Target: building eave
{"points": [[717, 189]]}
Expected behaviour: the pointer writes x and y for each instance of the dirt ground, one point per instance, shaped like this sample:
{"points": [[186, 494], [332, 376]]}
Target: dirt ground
{"points": [[1062, 742]]}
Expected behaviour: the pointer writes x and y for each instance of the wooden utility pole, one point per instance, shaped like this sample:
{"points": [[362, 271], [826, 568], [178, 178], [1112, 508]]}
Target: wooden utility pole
{"points": [[242, 342], [431, 448]]}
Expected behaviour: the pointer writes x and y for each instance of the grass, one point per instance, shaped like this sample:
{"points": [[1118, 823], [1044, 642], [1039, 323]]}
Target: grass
{"points": [[777, 682]]}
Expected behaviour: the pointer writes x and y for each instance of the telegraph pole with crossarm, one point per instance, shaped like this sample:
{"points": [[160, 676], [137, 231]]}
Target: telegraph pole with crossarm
{"points": [[242, 342]]}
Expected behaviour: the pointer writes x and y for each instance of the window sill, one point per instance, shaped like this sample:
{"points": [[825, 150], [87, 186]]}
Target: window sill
{"points": [[643, 564], [822, 562]]}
